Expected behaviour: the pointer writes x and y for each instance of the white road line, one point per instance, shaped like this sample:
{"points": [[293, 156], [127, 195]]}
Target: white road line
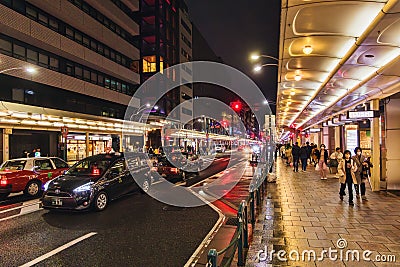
{"points": [[59, 249], [25, 204], [209, 237]]}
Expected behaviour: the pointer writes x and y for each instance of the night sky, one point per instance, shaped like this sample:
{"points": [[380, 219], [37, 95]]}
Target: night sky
{"points": [[235, 29]]}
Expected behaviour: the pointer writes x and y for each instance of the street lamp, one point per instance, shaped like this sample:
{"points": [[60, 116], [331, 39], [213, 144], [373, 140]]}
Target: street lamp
{"points": [[27, 69], [257, 56], [258, 68], [141, 109]]}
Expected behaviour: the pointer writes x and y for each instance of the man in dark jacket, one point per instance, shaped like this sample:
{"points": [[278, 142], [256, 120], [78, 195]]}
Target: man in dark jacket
{"points": [[303, 157], [296, 157]]}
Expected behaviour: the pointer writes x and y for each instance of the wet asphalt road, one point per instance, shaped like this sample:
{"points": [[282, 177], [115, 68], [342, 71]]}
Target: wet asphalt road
{"points": [[134, 230]]}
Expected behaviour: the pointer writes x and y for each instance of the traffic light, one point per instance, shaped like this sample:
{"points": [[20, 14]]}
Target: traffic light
{"points": [[236, 106]]}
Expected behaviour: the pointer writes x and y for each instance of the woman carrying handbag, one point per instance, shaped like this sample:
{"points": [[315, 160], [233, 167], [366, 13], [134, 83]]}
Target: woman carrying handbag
{"points": [[346, 173]]}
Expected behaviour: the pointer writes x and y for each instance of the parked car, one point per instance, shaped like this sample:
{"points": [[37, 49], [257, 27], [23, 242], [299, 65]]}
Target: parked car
{"points": [[29, 174], [177, 166], [94, 181], [169, 168]]}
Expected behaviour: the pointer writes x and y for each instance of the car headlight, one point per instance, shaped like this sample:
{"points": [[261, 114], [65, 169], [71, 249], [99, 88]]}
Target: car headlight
{"points": [[84, 187], [46, 185]]}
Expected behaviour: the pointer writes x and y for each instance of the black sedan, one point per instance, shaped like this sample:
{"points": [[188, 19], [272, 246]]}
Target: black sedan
{"points": [[94, 181]]}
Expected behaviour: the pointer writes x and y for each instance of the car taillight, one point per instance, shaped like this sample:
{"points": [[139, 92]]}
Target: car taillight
{"points": [[3, 180], [175, 170], [95, 171]]}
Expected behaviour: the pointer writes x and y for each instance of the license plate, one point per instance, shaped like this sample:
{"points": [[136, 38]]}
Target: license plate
{"points": [[56, 202]]}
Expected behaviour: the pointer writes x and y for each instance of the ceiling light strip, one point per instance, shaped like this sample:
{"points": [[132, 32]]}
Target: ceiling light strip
{"points": [[359, 41], [358, 86]]}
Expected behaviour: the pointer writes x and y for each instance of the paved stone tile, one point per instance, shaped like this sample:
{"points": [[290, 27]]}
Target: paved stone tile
{"points": [[320, 243], [315, 229], [336, 230], [305, 213]]}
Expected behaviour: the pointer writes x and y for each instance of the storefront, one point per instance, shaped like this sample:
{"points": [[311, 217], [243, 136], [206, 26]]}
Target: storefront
{"points": [[78, 148]]}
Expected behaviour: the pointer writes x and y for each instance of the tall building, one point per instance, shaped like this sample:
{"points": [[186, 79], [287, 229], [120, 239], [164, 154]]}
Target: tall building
{"points": [[83, 63], [165, 40]]}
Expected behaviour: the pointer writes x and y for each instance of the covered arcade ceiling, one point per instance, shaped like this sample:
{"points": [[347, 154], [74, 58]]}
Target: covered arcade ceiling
{"points": [[335, 55]]}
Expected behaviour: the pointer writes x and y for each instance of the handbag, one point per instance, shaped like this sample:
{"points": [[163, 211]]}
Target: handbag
{"points": [[340, 172], [317, 167], [333, 163]]}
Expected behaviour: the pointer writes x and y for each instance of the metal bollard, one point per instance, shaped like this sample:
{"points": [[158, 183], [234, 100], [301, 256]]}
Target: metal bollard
{"points": [[245, 227], [252, 211], [240, 237], [212, 257]]}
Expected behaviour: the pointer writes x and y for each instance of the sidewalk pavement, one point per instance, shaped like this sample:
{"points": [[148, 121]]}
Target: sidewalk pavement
{"points": [[302, 212]]}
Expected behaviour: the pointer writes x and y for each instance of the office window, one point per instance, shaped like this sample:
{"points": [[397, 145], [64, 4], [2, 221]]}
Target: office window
{"points": [[113, 85], [19, 52], [5, 47], [93, 45], [43, 19], [118, 58], [32, 56], [78, 71], [100, 80], [112, 55], [54, 63], [53, 24], [86, 75], [70, 69], [43, 60], [100, 49], [86, 41], [106, 52], [123, 87], [69, 33], [93, 77], [78, 37], [118, 86], [31, 13], [107, 83]]}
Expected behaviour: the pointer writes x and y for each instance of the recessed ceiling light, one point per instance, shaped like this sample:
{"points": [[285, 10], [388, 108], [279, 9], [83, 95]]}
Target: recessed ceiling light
{"points": [[297, 77], [307, 49], [292, 93]]}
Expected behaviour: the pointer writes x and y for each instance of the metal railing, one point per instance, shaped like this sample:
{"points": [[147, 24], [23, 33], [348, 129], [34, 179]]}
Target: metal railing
{"points": [[240, 240]]}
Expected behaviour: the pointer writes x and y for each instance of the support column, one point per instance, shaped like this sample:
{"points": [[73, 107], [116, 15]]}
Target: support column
{"points": [[6, 143], [87, 144], [375, 149], [337, 138], [120, 143]]}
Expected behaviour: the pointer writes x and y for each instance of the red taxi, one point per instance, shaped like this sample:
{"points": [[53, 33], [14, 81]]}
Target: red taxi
{"points": [[29, 174]]}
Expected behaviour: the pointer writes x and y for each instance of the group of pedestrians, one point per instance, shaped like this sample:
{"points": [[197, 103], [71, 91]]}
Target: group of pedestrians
{"points": [[352, 170]]}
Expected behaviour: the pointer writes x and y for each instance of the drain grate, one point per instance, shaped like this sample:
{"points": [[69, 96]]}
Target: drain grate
{"points": [[232, 221]]}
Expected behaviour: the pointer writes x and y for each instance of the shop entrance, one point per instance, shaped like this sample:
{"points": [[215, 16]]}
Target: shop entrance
{"points": [[76, 146]]}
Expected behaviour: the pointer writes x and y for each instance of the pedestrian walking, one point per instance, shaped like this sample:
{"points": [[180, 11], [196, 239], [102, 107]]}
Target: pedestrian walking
{"points": [[288, 152], [309, 150], [322, 161], [346, 169], [303, 157], [296, 157], [359, 160]]}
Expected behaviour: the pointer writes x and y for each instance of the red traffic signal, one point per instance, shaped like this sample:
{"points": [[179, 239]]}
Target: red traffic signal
{"points": [[236, 106]]}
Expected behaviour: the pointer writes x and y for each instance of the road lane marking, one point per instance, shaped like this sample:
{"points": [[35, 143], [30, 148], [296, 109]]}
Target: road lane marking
{"points": [[59, 249], [25, 204], [209, 237]]}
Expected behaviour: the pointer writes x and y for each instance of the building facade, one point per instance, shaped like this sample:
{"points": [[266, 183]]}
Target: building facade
{"points": [[72, 62]]}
